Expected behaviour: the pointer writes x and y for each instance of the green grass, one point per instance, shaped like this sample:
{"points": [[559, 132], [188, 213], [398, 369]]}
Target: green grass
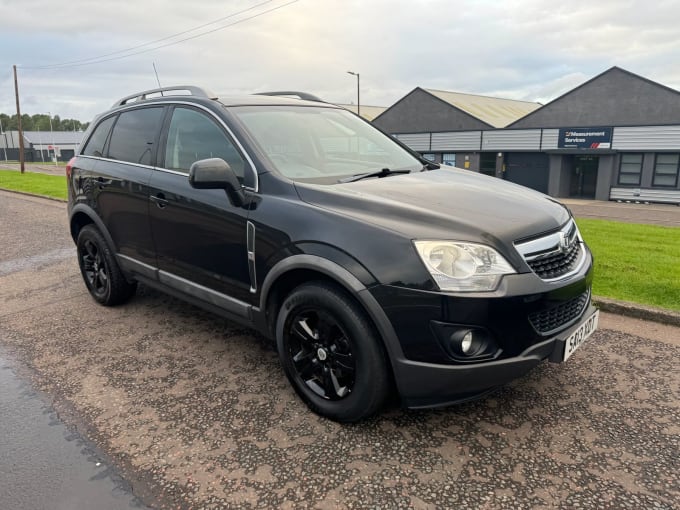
{"points": [[38, 184], [638, 263]]}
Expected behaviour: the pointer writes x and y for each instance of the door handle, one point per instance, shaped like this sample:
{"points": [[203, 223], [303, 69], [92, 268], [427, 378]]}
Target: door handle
{"points": [[160, 200]]}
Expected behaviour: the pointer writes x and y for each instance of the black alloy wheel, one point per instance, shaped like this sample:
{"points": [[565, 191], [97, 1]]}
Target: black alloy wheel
{"points": [[94, 269], [102, 275], [331, 353], [321, 353]]}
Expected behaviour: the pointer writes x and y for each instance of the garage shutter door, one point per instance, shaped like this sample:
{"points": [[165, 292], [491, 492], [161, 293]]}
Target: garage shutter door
{"points": [[528, 169]]}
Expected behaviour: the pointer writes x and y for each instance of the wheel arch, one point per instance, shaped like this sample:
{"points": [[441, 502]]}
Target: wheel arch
{"points": [[293, 271], [82, 215]]}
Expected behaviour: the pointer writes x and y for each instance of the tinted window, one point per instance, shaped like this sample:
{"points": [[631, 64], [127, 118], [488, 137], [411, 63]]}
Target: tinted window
{"points": [[194, 136], [134, 135], [95, 145]]}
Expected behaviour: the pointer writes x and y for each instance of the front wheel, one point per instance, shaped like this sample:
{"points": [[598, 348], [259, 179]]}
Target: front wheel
{"points": [[99, 268], [331, 354]]}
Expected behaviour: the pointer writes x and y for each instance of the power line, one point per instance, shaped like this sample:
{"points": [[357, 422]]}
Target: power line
{"points": [[156, 40], [98, 60]]}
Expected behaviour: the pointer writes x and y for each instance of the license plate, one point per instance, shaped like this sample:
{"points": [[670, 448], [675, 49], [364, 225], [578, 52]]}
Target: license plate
{"points": [[580, 335]]}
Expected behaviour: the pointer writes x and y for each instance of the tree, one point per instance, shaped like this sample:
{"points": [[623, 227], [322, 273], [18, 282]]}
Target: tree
{"points": [[41, 122]]}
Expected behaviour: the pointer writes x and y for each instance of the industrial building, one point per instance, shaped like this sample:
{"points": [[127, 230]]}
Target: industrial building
{"points": [[40, 146], [616, 136]]}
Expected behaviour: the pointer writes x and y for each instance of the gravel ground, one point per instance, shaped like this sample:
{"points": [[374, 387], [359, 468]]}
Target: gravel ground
{"points": [[197, 413]]}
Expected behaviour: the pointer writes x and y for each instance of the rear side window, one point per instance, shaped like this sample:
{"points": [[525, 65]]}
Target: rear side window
{"points": [[95, 145], [134, 135]]}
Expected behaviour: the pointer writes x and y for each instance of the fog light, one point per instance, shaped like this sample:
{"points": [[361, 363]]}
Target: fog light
{"points": [[466, 343]]}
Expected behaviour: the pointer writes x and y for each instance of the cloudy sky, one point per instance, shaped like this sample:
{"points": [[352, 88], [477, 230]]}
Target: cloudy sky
{"points": [[522, 49]]}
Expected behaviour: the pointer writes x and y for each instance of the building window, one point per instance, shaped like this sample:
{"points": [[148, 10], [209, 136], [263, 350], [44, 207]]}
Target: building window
{"points": [[666, 170], [430, 157], [630, 169], [449, 159]]}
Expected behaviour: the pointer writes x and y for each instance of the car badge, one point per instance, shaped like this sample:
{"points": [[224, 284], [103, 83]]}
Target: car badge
{"points": [[565, 242]]}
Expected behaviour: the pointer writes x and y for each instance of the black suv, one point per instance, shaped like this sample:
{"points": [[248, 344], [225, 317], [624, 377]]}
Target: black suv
{"points": [[373, 269]]}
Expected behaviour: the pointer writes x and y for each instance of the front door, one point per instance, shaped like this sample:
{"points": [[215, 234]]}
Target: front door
{"points": [[200, 237], [584, 176]]}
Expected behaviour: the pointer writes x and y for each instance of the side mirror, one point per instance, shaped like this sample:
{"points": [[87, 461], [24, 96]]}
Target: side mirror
{"points": [[215, 173]]}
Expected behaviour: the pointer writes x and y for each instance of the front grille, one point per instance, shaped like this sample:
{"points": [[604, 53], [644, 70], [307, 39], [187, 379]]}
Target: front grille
{"points": [[556, 264], [559, 316], [555, 255]]}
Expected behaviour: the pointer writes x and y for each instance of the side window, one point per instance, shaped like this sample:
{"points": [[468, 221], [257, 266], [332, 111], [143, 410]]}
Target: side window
{"points": [[134, 135], [95, 145], [193, 136]]}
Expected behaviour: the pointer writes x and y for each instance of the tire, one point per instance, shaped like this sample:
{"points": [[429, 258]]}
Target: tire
{"points": [[331, 353], [100, 271]]}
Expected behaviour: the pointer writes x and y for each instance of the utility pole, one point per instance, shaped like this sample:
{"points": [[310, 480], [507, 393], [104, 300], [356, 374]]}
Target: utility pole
{"points": [[22, 163]]}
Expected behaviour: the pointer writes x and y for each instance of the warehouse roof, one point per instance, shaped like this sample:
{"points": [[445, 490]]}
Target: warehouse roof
{"points": [[53, 137], [495, 111]]}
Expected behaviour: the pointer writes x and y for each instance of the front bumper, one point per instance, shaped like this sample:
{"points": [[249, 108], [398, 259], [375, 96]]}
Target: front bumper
{"points": [[427, 375], [432, 385]]}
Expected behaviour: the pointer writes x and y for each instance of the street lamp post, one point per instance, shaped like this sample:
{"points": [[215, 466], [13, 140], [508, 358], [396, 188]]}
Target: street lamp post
{"points": [[54, 147], [4, 147], [42, 156], [358, 93]]}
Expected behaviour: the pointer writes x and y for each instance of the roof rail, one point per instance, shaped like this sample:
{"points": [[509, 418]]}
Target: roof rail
{"points": [[192, 91], [302, 95]]}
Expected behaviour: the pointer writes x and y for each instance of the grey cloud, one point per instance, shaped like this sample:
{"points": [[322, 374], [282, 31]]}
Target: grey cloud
{"points": [[526, 49]]}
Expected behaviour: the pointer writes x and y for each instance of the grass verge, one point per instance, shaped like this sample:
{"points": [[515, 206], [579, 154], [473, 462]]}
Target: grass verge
{"points": [[637, 263], [29, 182]]}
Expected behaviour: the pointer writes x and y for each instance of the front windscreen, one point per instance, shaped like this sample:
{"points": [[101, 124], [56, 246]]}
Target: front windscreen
{"points": [[323, 145]]}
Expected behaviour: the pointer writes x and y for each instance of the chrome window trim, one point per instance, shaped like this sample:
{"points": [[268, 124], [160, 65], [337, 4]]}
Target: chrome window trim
{"points": [[149, 167], [132, 106]]}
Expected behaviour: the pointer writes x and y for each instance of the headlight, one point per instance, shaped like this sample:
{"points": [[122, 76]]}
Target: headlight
{"points": [[463, 267]]}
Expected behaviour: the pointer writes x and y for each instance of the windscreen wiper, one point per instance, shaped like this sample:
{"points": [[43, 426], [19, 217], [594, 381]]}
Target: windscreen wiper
{"points": [[382, 173]]}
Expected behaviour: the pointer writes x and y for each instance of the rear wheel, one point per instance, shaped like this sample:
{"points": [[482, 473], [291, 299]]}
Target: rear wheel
{"points": [[331, 354], [99, 268]]}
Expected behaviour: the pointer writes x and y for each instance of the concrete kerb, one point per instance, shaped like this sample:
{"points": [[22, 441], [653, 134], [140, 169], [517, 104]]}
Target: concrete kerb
{"points": [[638, 311], [54, 199], [614, 306]]}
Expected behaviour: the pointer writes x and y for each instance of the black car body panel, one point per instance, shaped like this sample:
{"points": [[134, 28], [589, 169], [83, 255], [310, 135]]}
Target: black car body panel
{"points": [[241, 260]]}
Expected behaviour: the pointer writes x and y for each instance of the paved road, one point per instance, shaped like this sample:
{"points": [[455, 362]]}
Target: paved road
{"points": [[196, 412], [654, 214], [44, 465]]}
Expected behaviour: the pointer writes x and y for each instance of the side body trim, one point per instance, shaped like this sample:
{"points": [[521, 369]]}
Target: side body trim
{"points": [[213, 297]]}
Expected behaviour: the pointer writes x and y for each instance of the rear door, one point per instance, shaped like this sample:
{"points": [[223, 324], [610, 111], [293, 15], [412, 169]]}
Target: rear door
{"points": [[120, 181], [200, 237]]}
